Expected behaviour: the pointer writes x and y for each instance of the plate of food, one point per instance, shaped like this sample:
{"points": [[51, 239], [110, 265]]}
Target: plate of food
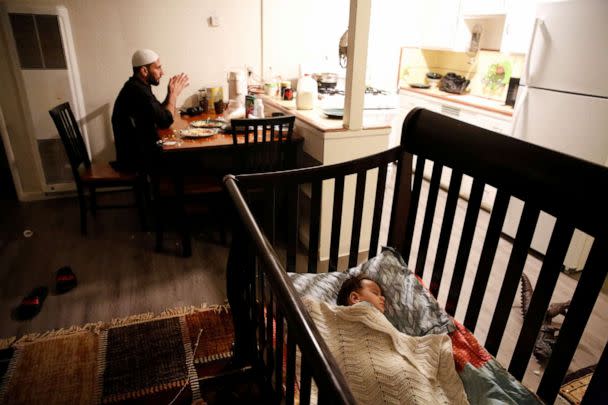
{"points": [[207, 124], [197, 132]]}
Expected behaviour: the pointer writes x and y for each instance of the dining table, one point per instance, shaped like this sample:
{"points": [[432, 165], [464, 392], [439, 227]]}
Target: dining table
{"points": [[212, 154]]}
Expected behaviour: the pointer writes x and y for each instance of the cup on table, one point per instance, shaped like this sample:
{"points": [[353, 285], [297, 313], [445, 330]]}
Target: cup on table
{"points": [[218, 106]]}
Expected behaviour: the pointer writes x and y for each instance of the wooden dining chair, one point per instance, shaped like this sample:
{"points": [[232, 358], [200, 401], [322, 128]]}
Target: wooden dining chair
{"points": [[259, 143], [263, 145], [93, 176]]}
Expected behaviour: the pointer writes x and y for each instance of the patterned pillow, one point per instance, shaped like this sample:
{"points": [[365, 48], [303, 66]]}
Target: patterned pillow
{"points": [[410, 307]]}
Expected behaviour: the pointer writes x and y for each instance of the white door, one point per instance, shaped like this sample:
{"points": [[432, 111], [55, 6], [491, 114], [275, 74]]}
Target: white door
{"points": [[568, 48], [41, 47]]}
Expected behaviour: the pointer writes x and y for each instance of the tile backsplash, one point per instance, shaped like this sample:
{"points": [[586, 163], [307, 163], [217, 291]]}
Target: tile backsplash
{"points": [[489, 71]]}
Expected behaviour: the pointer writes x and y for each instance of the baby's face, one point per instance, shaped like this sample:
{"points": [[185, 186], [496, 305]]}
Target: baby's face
{"points": [[370, 292]]}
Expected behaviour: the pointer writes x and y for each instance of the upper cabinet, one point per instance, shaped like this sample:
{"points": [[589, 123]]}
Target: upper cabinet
{"points": [[482, 7], [518, 26], [439, 24], [448, 24]]}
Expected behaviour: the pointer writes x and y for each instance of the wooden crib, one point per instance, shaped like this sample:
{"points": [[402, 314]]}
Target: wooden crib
{"points": [[270, 321]]}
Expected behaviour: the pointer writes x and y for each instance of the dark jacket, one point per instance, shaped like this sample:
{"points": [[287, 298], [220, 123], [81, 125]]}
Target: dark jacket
{"points": [[136, 117]]}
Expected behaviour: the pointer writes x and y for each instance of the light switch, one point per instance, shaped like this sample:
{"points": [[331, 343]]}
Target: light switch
{"points": [[214, 21]]}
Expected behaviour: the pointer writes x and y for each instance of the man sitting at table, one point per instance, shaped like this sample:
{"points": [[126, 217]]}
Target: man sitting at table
{"points": [[137, 112]]}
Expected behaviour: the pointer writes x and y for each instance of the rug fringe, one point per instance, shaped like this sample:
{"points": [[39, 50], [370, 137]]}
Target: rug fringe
{"points": [[97, 327], [12, 365], [101, 366]]}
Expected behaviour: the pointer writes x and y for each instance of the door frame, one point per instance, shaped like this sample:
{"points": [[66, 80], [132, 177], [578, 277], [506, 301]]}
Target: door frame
{"points": [[73, 74]]}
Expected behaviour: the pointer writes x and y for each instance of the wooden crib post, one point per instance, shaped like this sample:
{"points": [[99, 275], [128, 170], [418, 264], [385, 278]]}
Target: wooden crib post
{"points": [[240, 285]]}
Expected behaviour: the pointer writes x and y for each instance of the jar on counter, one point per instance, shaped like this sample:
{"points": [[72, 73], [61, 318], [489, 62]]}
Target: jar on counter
{"points": [[307, 93]]}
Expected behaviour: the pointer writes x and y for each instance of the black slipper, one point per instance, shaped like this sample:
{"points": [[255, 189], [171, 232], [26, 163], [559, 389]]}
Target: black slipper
{"points": [[65, 280], [32, 303]]}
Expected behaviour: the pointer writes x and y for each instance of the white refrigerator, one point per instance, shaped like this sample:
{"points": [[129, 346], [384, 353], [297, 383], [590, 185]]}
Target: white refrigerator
{"points": [[562, 101]]}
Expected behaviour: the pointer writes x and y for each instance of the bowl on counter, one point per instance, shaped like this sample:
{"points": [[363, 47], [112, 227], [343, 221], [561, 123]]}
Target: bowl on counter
{"points": [[433, 79]]}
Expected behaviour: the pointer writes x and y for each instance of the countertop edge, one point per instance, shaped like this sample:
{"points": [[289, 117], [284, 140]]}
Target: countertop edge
{"points": [[312, 122], [454, 99]]}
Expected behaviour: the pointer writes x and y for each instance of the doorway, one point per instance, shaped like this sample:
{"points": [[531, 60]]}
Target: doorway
{"points": [[44, 62]]}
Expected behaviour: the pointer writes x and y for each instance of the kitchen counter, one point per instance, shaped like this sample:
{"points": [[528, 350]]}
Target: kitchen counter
{"points": [[465, 99], [372, 119]]}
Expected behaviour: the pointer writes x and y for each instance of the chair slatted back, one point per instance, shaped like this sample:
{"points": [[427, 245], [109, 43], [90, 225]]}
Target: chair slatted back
{"points": [[259, 141], [71, 137]]}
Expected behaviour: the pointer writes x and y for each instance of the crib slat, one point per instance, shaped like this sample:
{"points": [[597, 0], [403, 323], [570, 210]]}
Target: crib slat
{"points": [[292, 225], [269, 332], [378, 205], [290, 376], [464, 247], [486, 259], [261, 305], [357, 217], [278, 361], [270, 213], [515, 267], [406, 205], [336, 223], [427, 224], [597, 390], [446, 231], [549, 273], [313, 232], [304, 383], [585, 295]]}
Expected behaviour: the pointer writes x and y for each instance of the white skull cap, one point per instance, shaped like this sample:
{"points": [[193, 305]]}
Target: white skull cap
{"points": [[143, 57]]}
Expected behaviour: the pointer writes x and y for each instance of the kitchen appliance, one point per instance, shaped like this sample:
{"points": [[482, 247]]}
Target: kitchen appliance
{"points": [[453, 83], [326, 80], [562, 101], [373, 99], [237, 85]]}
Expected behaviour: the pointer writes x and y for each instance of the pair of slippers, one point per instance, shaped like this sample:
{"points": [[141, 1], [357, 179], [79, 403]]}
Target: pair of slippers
{"points": [[31, 304]]}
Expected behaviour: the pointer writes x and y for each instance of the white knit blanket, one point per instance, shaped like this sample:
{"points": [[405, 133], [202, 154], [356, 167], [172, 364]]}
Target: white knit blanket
{"points": [[383, 365]]}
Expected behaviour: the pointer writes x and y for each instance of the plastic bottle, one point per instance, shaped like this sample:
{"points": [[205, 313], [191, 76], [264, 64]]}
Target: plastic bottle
{"points": [[307, 93], [258, 108]]}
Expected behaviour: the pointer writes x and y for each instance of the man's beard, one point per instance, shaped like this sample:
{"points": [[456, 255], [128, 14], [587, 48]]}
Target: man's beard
{"points": [[151, 80]]}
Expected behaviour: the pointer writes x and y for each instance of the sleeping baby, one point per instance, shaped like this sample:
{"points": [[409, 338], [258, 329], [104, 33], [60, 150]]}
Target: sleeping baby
{"points": [[381, 364]]}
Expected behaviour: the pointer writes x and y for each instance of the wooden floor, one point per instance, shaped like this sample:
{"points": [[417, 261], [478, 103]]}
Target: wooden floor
{"points": [[119, 274]]}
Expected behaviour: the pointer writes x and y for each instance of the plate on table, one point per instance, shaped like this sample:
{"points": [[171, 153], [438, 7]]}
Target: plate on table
{"points": [[207, 124], [197, 132], [334, 112], [420, 86]]}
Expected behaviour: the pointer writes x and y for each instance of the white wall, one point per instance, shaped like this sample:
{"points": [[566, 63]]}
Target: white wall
{"points": [[302, 32]]}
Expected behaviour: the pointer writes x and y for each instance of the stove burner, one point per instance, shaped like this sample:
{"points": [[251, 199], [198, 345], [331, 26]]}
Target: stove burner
{"points": [[330, 91], [374, 91], [368, 90]]}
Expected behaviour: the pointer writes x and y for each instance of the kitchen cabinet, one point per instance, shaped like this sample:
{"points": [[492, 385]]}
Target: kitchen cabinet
{"points": [[518, 26], [439, 24], [485, 119], [482, 7]]}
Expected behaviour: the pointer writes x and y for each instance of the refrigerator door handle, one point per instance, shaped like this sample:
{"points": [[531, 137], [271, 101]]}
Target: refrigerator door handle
{"points": [[537, 23], [519, 110]]}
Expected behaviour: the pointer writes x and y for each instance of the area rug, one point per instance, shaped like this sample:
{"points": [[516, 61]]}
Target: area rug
{"points": [[140, 358], [575, 385]]}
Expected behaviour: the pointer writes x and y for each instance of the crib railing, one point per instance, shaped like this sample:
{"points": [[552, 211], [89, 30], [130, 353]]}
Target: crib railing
{"points": [[273, 330]]}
